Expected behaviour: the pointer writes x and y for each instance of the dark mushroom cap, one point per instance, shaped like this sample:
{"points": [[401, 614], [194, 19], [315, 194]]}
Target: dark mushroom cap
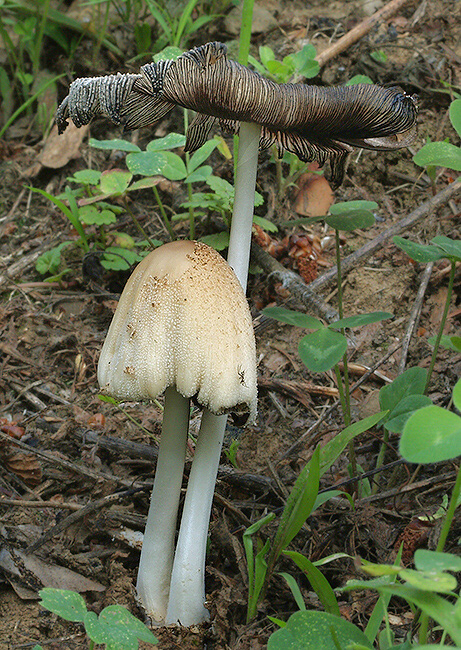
{"points": [[313, 122]]}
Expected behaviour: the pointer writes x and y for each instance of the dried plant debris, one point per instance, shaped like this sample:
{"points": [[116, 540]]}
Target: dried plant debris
{"points": [[313, 122], [27, 574]]}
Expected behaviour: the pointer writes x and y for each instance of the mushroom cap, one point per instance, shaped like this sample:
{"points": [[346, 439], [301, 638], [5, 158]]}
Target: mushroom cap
{"points": [[183, 321]]}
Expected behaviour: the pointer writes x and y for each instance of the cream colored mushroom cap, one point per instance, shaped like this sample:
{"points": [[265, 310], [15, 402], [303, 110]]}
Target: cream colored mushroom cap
{"points": [[182, 320]]}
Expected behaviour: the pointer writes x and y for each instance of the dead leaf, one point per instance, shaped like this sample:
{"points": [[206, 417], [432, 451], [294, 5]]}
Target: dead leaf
{"points": [[27, 574], [314, 196], [26, 466], [59, 149]]}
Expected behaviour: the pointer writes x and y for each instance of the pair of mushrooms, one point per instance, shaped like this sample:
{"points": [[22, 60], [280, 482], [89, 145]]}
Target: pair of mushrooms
{"points": [[315, 124], [183, 326]]}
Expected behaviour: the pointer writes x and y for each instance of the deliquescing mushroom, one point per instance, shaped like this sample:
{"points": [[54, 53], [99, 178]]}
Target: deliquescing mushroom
{"points": [[183, 326], [315, 123]]}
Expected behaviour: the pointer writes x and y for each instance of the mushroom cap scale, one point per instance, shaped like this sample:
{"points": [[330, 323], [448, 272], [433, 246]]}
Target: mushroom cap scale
{"points": [[182, 321]]}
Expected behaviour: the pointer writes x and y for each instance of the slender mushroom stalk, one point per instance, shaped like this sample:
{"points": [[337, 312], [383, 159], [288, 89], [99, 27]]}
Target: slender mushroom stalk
{"points": [[182, 324], [156, 562]]}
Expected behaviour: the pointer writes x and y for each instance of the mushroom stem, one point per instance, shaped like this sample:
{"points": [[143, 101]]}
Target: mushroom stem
{"points": [[244, 201], [154, 574], [187, 588]]}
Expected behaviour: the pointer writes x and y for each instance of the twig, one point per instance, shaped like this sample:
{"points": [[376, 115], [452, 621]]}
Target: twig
{"points": [[357, 32], [351, 261], [73, 467], [408, 488], [334, 406], [294, 284], [77, 516], [414, 315], [39, 504], [297, 389], [17, 268]]}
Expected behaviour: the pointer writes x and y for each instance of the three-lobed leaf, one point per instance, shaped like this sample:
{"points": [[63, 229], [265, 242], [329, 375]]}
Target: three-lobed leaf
{"points": [[291, 317], [404, 409], [426, 560], [67, 604], [361, 319], [418, 252], [411, 382]]}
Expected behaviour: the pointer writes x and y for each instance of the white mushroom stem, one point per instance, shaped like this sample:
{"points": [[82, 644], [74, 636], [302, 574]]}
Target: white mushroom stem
{"points": [[187, 588], [154, 573], [244, 201]]}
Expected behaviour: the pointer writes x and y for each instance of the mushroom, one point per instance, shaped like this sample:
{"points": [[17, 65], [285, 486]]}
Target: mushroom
{"points": [[314, 123], [182, 326]]}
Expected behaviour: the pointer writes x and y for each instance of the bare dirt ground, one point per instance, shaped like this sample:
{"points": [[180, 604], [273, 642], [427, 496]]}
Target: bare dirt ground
{"points": [[75, 448]]}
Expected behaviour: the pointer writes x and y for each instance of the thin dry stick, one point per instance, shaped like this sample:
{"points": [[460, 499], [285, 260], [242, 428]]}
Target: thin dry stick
{"points": [[39, 504], [291, 281], [353, 260], [334, 406], [410, 487], [77, 516], [414, 315], [16, 269], [73, 467], [357, 32]]}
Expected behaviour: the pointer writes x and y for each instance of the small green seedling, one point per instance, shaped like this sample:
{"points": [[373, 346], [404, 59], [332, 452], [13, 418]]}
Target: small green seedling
{"points": [[231, 453], [323, 348], [302, 63], [115, 627], [442, 154], [312, 630]]}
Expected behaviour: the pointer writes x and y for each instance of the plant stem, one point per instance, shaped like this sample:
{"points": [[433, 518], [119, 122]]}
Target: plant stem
{"points": [[380, 458], [450, 513], [155, 565], [344, 395], [44, 9], [442, 324], [165, 218], [245, 31], [137, 224]]}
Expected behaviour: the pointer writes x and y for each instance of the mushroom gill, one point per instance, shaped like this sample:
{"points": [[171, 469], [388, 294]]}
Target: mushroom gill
{"points": [[313, 122]]}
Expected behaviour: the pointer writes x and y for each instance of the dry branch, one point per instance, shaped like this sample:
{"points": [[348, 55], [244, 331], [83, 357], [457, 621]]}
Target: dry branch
{"points": [[357, 32]]}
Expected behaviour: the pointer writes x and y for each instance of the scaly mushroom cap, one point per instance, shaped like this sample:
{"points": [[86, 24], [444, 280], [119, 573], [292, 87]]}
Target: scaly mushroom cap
{"points": [[182, 320], [313, 122]]}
